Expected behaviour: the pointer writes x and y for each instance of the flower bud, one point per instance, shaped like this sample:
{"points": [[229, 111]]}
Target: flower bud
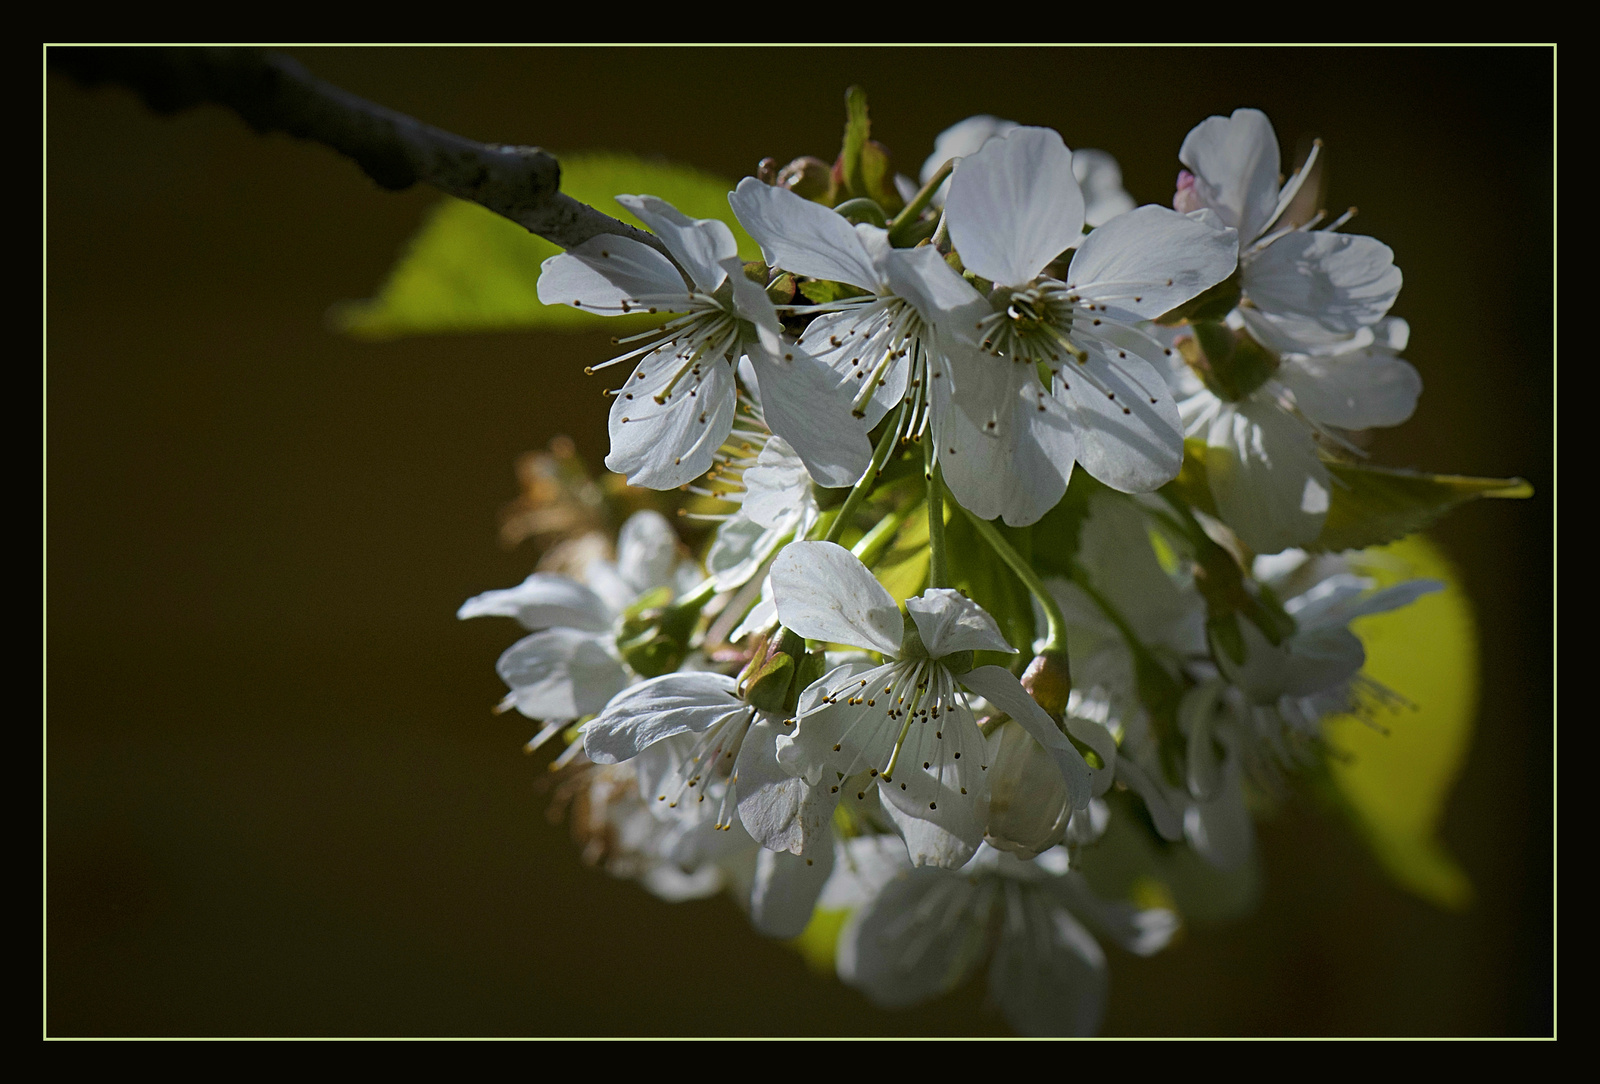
{"points": [[810, 178], [1029, 805], [1048, 680]]}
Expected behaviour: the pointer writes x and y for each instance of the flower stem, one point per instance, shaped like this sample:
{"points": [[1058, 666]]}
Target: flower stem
{"points": [[875, 541], [859, 491], [912, 212], [938, 559], [1030, 579]]}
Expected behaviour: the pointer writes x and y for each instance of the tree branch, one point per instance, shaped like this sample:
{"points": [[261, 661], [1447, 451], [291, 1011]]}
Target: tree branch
{"points": [[274, 93]]}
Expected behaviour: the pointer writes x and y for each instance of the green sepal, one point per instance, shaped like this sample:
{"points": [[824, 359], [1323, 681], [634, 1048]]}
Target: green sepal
{"points": [[780, 291], [1370, 506], [768, 688], [822, 291], [654, 637], [809, 671]]}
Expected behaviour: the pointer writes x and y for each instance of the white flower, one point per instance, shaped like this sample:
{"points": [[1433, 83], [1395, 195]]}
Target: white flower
{"points": [[777, 504], [1014, 207], [570, 667], [724, 749], [1097, 172], [1305, 289], [906, 725], [923, 932], [677, 408], [1261, 456]]}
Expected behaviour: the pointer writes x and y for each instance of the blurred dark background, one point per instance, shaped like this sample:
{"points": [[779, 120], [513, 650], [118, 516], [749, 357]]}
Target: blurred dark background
{"points": [[277, 801]]}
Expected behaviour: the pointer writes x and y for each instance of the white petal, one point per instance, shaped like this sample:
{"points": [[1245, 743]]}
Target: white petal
{"points": [[949, 622], [1129, 436], [1309, 662], [1049, 975], [917, 939], [945, 299], [543, 600], [777, 487], [699, 244], [1167, 818], [1356, 390], [824, 592], [961, 139], [947, 843], [647, 551], [1014, 206], [1196, 713], [1002, 689], [1235, 163], [805, 404], [1100, 178], [561, 674], [786, 888], [779, 810], [1221, 830], [738, 551], [1151, 260], [852, 343], [1319, 285], [1269, 484], [611, 275], [663, 445], [640, 716], [801, 236], [1013, 463]]}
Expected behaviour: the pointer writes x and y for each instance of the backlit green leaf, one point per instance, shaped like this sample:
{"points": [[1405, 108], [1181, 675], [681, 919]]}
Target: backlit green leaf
{"points": [[1395, 784], [979, 573], [1373, 505]]}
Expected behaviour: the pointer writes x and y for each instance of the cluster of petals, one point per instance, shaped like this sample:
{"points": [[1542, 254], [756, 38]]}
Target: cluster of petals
{"points": [[1252, 714], [677, 408], [1317, 301], [570, 667], [1044, 372]]}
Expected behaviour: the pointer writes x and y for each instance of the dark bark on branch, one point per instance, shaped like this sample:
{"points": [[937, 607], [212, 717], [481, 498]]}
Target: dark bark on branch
{"points": [[273, 93]]}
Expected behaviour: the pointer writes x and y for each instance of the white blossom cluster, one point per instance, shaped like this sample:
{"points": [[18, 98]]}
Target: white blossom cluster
{"points": [[774, 721]]}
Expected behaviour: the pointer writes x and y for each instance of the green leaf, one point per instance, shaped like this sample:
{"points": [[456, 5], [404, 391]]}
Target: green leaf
{"points": [[469, 269], [903, 570], [1369, 506], [979, 573], [1373, 505], [1055, 536], [1394, 782]]}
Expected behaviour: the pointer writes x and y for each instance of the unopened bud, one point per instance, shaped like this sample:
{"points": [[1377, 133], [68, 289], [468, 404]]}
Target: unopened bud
{"points": [[1186, 199], [808, 177], [1048, 680]]}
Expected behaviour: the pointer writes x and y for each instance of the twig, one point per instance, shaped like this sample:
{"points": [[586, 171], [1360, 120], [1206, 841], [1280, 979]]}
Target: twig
{"points": [[274, 93]]}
